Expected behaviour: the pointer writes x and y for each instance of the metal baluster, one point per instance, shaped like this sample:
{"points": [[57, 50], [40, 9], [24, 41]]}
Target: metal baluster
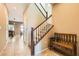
{"points": [[36, 36]]}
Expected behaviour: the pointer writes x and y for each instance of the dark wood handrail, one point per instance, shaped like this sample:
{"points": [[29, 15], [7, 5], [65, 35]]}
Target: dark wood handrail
{"points": [[43, 8], [40, 10], [42, 22]]}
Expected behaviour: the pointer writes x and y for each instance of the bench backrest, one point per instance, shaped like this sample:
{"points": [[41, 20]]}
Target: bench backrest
{"points": [[68, 38]]}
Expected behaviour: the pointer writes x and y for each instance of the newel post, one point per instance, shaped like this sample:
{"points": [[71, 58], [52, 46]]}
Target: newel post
{"points": [[32, 43]]}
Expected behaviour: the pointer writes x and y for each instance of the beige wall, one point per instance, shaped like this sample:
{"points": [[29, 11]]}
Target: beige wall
{"points": [[3, 25], [66, 19]]}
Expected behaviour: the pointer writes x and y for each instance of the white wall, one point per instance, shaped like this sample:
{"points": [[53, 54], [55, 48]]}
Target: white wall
{"points": [[32, 18]]}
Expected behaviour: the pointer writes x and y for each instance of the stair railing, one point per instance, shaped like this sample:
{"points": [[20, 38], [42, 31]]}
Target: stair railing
{"points": [[38, 33]]}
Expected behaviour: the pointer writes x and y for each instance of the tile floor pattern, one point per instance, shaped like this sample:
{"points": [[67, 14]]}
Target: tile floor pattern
{"points": [[16, 47]]}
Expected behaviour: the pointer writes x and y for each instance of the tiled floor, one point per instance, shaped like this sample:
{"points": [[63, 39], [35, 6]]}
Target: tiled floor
{"points": [[16, 47]]}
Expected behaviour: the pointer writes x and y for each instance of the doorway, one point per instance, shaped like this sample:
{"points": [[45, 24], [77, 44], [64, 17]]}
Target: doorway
{"points": [[15, 29]]}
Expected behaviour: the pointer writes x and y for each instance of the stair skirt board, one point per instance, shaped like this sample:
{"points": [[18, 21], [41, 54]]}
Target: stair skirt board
{"points": [[41, 51]]}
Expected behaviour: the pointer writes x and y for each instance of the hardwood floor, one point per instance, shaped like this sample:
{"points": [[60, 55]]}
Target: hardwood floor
{"points": [[49, 53]]}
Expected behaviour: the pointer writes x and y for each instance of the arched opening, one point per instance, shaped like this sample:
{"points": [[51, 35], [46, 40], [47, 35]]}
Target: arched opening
{"points": [[3, 26]]}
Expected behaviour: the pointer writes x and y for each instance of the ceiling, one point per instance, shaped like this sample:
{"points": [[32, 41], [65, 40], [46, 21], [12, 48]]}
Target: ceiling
{"points": [[16, 10]]}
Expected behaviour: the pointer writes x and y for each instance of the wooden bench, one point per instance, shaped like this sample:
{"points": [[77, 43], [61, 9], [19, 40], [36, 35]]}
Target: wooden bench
{"points": [[64, 43]]}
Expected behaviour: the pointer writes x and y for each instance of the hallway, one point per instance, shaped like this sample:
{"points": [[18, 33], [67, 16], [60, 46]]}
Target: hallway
{"points": [[15, 47]]}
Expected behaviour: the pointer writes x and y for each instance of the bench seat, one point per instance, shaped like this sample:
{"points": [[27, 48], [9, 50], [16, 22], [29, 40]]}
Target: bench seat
{"points": [[65, 43]]}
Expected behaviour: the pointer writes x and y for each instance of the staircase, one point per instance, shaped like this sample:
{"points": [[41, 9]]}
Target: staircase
{"points": [[38, 33]]}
